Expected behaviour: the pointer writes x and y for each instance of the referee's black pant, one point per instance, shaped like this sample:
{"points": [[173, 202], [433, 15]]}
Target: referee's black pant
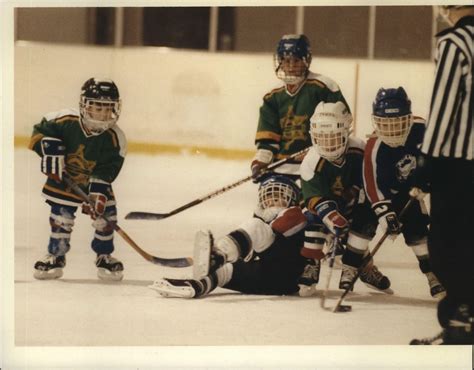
{"points": [[451, 236]]}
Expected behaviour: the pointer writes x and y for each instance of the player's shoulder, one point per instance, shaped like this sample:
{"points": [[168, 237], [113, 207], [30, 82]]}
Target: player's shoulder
{"points": [[277, 89], [417, 132], [322, 81], [373, 145], [460, 35], [355, 145], [309, 164], [119, 139], [419, 121], [62, 115]]}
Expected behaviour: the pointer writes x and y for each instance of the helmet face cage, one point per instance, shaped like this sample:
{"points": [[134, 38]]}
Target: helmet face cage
{"points": [[330, 138], [277, 192], [393, 131], [292, 58], [99, 105], [329, 129], [392, 117]]}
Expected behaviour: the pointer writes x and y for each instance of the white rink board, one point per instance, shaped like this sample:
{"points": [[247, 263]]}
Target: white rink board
{"points": [[191, 97]]}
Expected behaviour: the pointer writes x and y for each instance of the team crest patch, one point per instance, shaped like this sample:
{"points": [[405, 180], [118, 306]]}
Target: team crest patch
{"points": [[405, 167]]}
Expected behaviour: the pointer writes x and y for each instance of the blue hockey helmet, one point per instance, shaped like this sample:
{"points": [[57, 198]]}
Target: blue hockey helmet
{"points": [[278, 191], [392, 117], [292, 58]]}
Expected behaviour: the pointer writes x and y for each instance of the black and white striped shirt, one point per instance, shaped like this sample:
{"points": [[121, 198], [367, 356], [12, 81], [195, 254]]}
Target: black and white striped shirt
{"points": [[450, 128]]}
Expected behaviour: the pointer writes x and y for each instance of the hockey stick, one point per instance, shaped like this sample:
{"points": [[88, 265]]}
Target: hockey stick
{"points": [[159, 216], [335, 243], [437, 339], [344, 308], [168, 262]]}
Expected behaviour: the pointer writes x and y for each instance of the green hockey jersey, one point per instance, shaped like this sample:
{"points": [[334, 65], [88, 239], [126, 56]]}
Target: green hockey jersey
{"points": [[87, 156], [322, 180], [283, 126]]}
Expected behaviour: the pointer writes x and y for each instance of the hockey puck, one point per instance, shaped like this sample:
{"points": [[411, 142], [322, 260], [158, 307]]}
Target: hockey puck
{"points": [[344, 308]]}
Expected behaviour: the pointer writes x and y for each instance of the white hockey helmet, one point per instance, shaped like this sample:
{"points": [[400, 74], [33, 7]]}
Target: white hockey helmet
{"points": [[330, 127], [99, 105]]}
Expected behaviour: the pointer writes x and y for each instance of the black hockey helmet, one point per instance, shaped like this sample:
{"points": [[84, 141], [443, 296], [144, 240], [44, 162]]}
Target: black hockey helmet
{"points": [[99, 105]]}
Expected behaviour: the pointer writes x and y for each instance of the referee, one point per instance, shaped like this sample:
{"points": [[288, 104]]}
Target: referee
{"points": [[446, 170]]}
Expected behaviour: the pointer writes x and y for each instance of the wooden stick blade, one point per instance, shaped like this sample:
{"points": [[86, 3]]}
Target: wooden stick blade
{"points": [[146, 216], [172, 262]]}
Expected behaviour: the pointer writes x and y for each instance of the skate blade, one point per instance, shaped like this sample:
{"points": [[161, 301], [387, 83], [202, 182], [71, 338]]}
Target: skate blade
{"points": [[439, 296], [107, 275], [386, 291], [48, 275], [166, 290]]}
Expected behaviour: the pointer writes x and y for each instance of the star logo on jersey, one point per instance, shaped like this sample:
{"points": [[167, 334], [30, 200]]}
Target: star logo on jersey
{"points": [[293, 128], [337, 187], [78, 167], [405, 167]]}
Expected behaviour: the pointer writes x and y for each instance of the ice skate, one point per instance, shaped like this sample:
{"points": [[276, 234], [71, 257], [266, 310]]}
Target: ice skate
{"points": [[437, 291], [184, 288], [374, 279], [50, 267], [309, 278], [177, 288], [347, 276], [109, 268]]}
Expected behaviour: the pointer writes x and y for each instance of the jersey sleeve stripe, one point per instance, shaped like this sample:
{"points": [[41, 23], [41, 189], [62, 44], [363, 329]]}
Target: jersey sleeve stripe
{"points": [[369, 171], [119, 140], [262, 135]]}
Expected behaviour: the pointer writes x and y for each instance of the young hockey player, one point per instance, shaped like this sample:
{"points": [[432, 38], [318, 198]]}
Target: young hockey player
{"points": [[331, 181], [275, 234], [90, 148], [283, 126], [389, 165]]}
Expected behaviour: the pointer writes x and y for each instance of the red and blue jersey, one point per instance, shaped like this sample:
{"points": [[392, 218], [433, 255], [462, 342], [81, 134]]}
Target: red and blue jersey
{"points": [[388, 171]]}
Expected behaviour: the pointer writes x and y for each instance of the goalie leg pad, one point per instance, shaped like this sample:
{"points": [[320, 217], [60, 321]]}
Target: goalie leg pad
{"points": [[203, 241]]}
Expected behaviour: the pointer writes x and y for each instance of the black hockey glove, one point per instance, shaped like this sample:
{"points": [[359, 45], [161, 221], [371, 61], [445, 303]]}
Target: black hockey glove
{"points": [[53, 152]]}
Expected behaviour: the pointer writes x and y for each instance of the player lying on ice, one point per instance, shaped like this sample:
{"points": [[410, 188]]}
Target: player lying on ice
{"points": [[275, 234]]}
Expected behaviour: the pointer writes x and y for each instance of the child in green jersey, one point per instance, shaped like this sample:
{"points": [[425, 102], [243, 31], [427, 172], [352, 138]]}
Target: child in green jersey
{"points": [[90, 148], [332, 187], [283, 126]]}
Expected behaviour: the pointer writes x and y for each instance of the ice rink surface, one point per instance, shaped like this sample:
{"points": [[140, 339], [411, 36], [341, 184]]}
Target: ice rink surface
{"points": [[79, 310]]}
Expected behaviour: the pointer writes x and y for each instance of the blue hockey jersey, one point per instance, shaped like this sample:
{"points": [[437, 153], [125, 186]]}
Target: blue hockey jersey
{"points": [[388, 171]]}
